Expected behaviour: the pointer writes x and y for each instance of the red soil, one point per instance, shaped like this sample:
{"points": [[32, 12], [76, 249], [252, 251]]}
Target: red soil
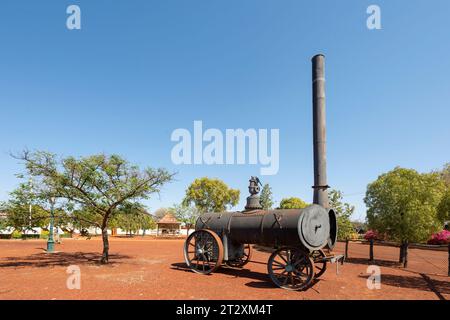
{"points": [[155, 269]]}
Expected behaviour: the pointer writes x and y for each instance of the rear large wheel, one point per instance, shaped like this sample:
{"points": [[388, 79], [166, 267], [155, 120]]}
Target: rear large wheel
{"points": [[291, 268], [203, 251]]}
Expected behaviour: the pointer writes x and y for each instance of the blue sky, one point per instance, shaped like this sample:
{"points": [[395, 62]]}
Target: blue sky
{"points": [[137, 70]]}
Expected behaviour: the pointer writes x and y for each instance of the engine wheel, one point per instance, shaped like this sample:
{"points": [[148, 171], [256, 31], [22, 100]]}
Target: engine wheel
{"points": [[203, 251], [291, 268], [242, 261]]}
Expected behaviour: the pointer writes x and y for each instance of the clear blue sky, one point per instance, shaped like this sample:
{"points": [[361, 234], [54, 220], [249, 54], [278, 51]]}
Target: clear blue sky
{"points": [[137, 70]]}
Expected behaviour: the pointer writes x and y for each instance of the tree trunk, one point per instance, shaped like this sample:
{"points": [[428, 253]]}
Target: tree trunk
{"points": [[405, 254], [105, 255], [371, 250]]}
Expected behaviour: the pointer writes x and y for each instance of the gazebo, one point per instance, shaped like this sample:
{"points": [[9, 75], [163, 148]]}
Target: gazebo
{"points": [[168, 225]]}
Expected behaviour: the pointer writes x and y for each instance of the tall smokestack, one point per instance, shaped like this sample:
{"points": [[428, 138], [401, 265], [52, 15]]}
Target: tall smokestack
{"points": [[319, 131]]}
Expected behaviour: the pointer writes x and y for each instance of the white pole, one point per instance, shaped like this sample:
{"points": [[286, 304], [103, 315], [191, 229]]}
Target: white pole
{"points": [[31, 188]]}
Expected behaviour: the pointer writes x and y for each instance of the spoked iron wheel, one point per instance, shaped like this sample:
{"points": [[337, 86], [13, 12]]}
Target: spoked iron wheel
{"points": [[242, 261], [203, 251], [320, 265], [291, 268]]}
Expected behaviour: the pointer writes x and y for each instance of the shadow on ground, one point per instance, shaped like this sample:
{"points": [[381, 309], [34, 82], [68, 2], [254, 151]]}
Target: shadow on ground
{"points": [[391, 264], [420, 282], [381, 263], [263, 280], [263, 248], [41, 260]]}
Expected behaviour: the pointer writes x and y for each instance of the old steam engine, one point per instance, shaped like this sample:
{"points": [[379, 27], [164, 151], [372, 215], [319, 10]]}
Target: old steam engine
{"points": [[298, 236]]}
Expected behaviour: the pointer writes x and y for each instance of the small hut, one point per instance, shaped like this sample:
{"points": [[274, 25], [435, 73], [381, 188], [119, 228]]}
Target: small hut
{"points": [[168, 226]]}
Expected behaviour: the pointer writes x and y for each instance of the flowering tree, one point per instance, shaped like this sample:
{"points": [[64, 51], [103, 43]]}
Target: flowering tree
{"points": [[371, 235], [442, 237]]}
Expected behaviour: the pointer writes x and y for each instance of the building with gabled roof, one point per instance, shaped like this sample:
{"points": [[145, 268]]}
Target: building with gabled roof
{"points": [[168, 225]]}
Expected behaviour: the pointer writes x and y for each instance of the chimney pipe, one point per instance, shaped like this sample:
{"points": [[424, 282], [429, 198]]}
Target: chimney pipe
{"points": [[319, 132]]}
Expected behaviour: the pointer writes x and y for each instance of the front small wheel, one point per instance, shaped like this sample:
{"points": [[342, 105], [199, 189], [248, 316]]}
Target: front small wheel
{"points": [[242, 261], [291, 268], [203, 251]]}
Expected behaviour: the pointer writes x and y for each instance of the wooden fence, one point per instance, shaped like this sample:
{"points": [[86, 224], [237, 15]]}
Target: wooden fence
{"points": [[372, 243]]}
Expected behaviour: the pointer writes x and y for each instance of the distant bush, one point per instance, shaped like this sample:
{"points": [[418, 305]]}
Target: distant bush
{"points": [[44, 234], [442, 237], [354, 236], [30, 236], [16, 234], [66, 235]]}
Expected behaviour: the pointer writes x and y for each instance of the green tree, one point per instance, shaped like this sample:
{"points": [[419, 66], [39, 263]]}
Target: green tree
{"points": [[266, 199], [186, 214], [292, 203], [344, 212], [402, 204], [444, 205], [17, 217], [24, 210], [126, 218], [160, 213], [443, 209], [132, 217], [102, 184], [210, 195], [3, 219], [82, 219], [361, 226], [146, 222], [445, 174]]}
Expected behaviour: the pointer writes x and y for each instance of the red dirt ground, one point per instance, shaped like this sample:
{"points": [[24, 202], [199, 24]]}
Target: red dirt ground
{"points": [[155, 269]]}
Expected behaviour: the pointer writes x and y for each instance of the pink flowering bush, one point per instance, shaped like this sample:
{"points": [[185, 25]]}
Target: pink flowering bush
{"points": [[442, 237], [371, 235]]}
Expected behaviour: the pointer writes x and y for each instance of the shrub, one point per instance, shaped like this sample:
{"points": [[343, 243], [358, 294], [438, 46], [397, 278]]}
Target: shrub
{"points": [[44, 234], [442, 237], [354, 236], [30, 236], [371, 235], [16, 234]]}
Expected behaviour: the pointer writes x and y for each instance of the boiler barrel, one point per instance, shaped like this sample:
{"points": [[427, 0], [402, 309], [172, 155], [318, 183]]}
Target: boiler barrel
{"points": [[309, 227]]}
